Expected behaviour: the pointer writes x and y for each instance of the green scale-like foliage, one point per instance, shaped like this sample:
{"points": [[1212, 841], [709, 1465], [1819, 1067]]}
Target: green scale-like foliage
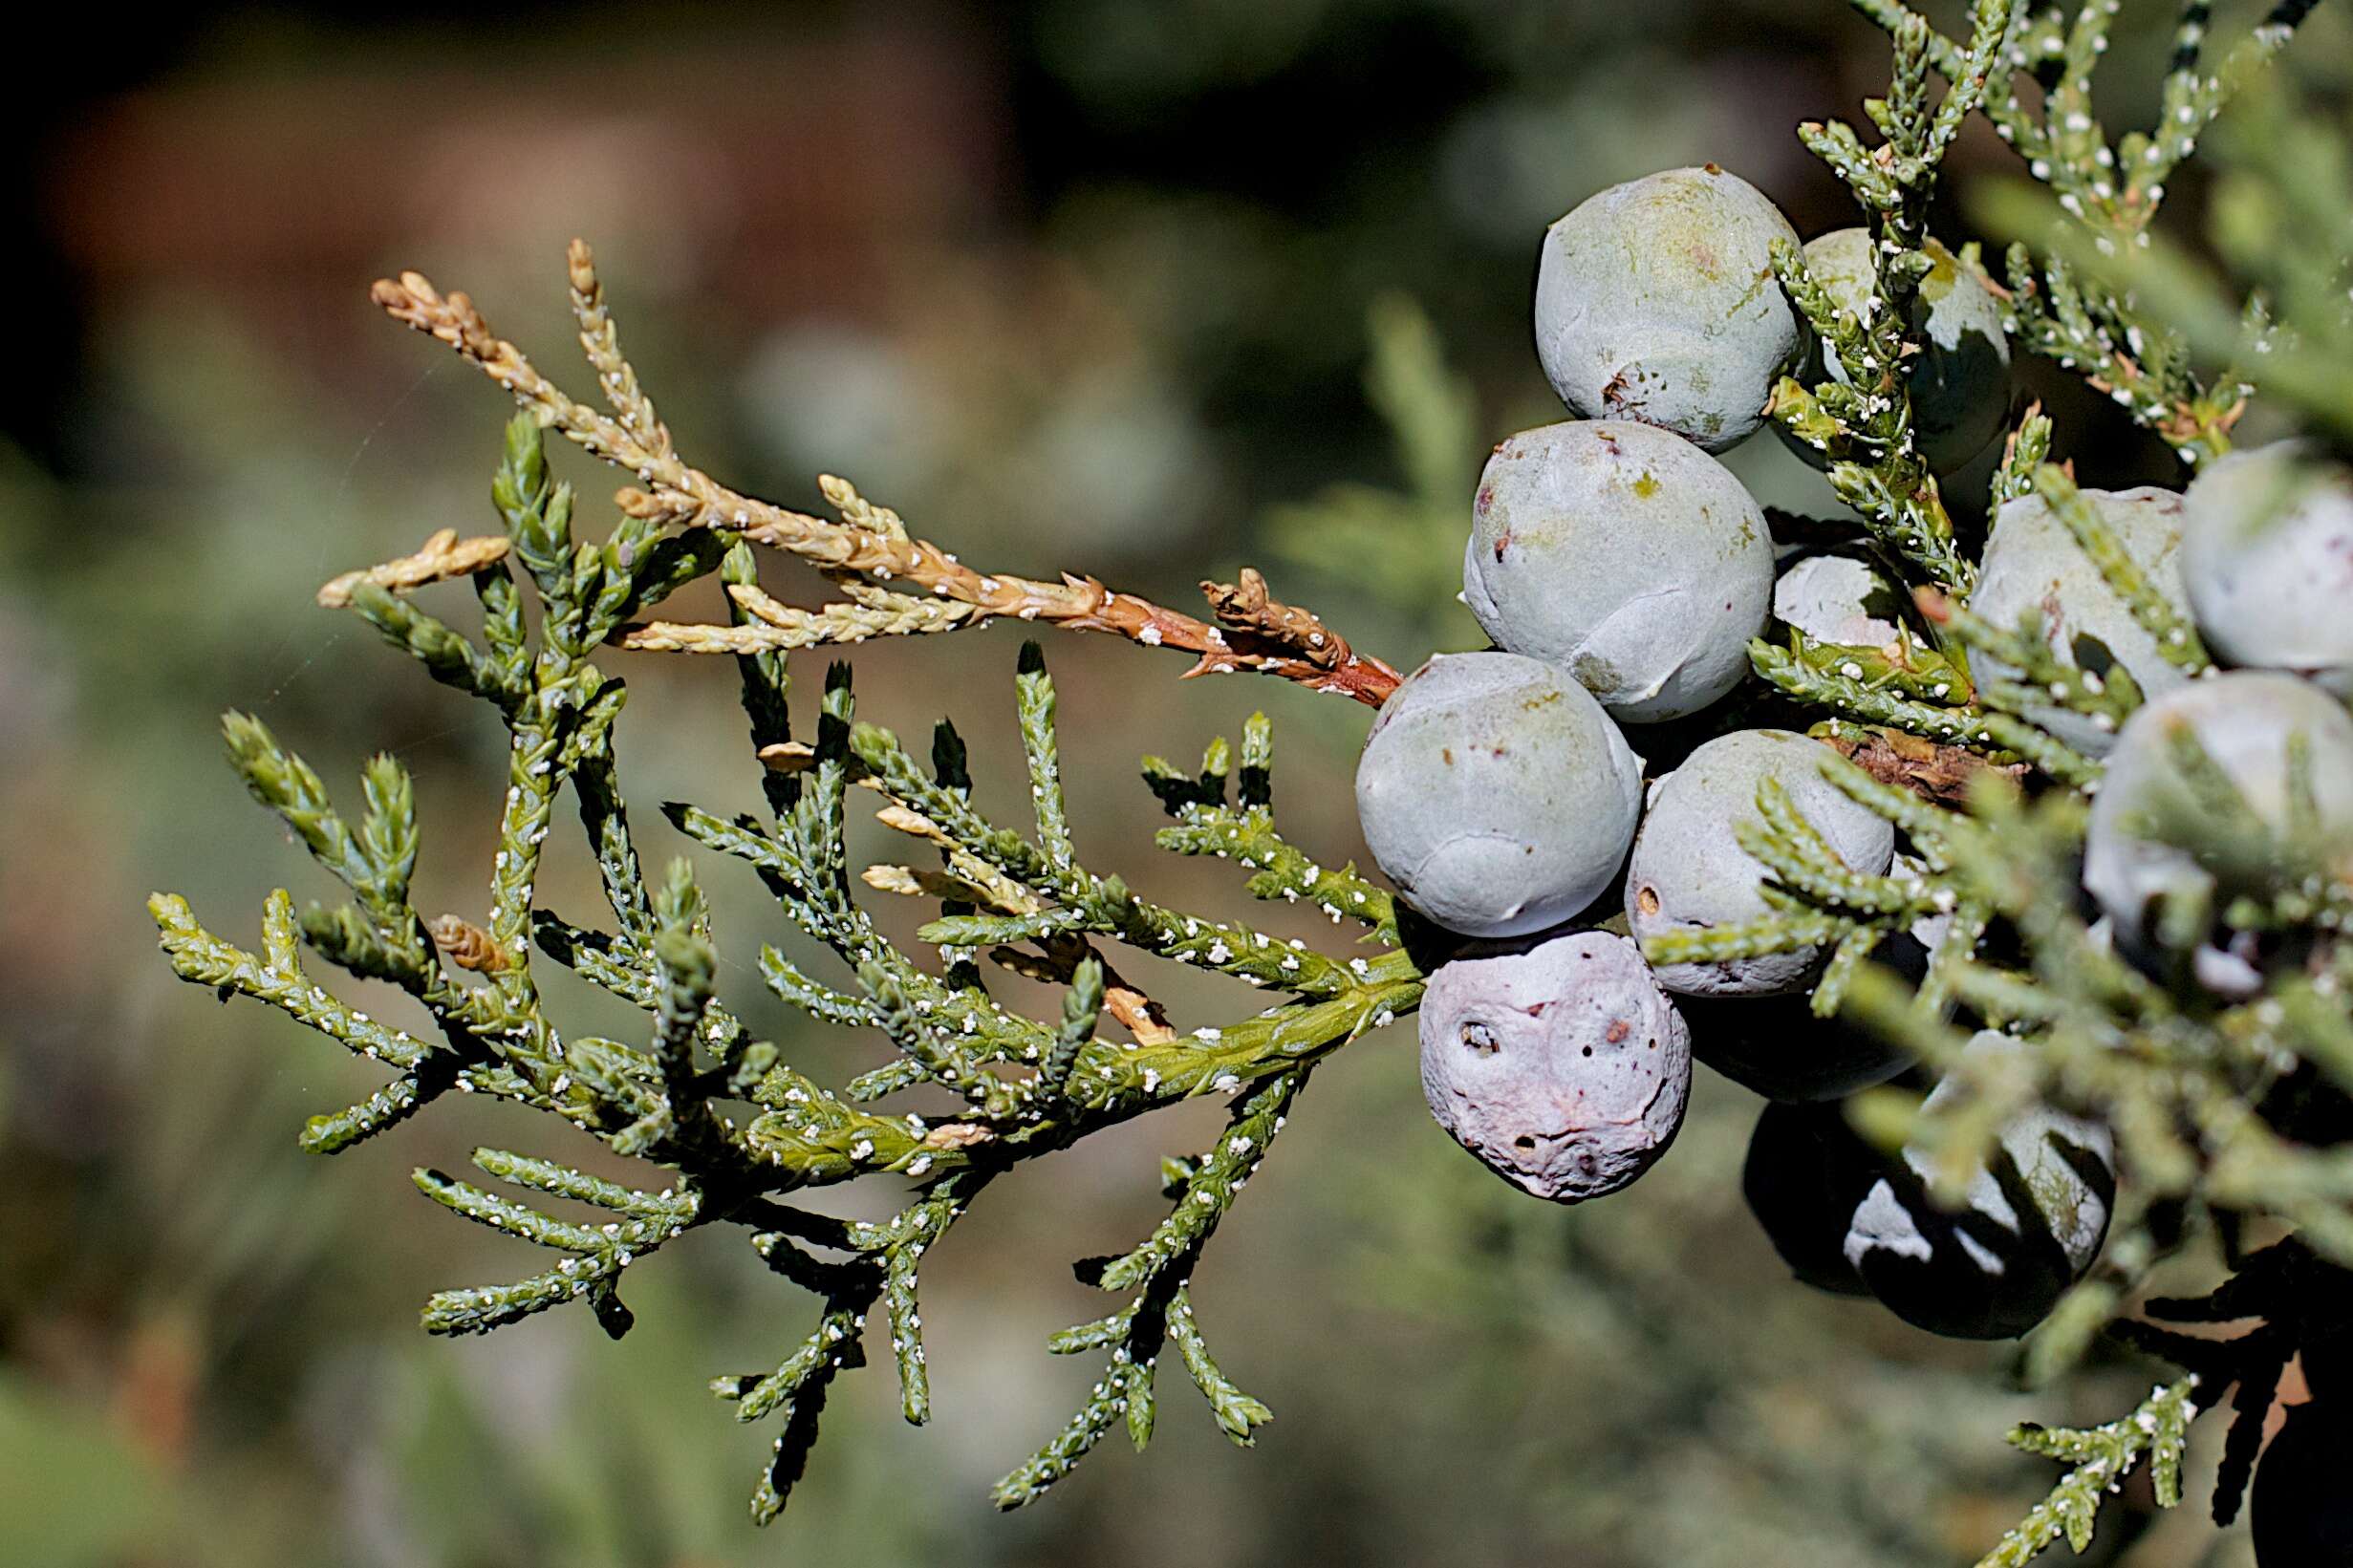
{"points": [[737, 1129]]}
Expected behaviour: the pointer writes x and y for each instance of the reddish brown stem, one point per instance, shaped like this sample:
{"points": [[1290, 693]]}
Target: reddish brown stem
{"points": [[1268, 638]]}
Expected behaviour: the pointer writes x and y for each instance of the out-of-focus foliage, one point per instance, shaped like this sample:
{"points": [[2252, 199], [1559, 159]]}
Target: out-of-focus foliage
{"points": [[1403, 548]]}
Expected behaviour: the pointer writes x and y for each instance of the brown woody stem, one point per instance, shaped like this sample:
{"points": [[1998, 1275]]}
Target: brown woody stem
{"points": [[1266, 637]]}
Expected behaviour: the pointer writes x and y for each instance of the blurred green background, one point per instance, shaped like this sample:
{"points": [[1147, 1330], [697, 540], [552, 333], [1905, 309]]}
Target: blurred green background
{"points": [[1084, 284]]}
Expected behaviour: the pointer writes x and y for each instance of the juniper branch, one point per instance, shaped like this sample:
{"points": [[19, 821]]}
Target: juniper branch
{"points": [[2154, 1434]]}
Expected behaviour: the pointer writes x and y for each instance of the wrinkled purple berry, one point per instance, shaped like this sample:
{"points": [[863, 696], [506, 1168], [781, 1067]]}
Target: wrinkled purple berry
{"points": [[1561, 1067]]}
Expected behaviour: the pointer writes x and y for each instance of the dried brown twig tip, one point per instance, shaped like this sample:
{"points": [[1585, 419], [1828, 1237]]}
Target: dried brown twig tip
{"points": [[1244, 604], [1908, 762], [452, 318], [468, 945], [1137, 1014], [892, 575], [1279, 637], [442, 557], [1059, 958]]}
